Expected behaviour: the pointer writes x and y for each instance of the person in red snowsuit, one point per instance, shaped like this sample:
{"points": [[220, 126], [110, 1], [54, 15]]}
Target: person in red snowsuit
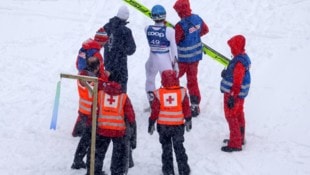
{"points": [[171, 111], [235, 85], [188, 32], [114, 110]]}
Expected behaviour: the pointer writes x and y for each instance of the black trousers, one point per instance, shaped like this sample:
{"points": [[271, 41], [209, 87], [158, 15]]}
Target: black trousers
{"points": [[119, 153], [84, 142], [172, 137]]}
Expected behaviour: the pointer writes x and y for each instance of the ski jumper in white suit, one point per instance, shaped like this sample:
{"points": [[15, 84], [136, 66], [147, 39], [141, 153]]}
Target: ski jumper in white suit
{"points": [[163, 53]]}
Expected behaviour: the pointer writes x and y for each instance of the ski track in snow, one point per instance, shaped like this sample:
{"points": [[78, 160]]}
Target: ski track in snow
{"points": [[40, 40]]}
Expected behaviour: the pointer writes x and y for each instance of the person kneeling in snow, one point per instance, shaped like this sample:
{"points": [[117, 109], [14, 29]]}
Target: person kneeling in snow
{"points": [[170, 108], [235, 85]]}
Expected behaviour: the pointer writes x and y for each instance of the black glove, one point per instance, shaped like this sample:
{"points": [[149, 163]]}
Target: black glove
{"points": [[231, 102], [151, 126], [133, 138], [223, 74], [188, 124]]}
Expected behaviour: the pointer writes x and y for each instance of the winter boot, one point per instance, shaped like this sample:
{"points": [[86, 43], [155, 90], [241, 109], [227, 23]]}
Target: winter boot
{"points": [[101, 173], [78, 165], [194, 105], [230, 149], [168, 173]]}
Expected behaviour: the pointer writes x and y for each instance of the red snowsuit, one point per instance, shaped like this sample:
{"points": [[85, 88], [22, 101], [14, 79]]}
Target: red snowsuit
{"points": [[235, 115], [183, 9]]}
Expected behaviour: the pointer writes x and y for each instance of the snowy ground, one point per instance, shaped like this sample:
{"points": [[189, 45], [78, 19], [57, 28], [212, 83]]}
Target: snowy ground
{"points": [[39, 39]]}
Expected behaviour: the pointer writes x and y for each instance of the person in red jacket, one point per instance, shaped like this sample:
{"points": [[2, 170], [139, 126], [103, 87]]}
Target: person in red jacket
{"points": [[235, 85], [115, 109], [188, 32], [170, 108], [85, 111], [90, 48]]}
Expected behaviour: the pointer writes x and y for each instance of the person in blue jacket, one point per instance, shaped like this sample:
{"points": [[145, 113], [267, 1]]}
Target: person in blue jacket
{"points": [[235, 85]]}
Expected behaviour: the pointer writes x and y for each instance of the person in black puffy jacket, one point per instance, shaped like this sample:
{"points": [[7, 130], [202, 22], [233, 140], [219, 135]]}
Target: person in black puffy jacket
{"points": [[121, 44]]}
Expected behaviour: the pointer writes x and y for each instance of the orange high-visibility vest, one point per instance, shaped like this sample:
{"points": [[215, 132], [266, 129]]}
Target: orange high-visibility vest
{"points": [[111, 113], [86, 99], [170, 106]]}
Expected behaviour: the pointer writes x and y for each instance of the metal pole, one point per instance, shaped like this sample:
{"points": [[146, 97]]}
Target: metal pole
{"points": [[94, 112]]}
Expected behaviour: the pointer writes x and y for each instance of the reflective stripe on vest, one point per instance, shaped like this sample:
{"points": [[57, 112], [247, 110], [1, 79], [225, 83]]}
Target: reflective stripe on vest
{"points": [[189, 52], [171, 112], [227, 81], [86, 100], [190, 48], [111, 114]]}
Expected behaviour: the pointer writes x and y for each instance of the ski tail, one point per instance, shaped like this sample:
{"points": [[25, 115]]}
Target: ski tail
{"points": [[206, 49], [55, 108]]}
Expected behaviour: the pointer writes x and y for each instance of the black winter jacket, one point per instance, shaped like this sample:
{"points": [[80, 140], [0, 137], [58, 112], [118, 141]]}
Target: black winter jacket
{"points": [[121, 44]]}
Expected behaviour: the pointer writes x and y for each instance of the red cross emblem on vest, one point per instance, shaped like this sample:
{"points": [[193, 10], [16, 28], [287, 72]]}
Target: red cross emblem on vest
{"points": [[110, 101], [170, 99]]}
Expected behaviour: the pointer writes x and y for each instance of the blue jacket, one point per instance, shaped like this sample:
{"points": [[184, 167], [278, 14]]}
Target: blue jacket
{"points": [[227, 81], [190, 49]]}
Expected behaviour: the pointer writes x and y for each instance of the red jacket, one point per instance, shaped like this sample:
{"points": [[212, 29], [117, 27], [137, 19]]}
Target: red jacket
{"points": [[183, 9], [113, 88]]}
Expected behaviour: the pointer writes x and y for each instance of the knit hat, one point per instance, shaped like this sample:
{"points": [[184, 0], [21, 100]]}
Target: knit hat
{"points": [[123, 13], [101, 36]]}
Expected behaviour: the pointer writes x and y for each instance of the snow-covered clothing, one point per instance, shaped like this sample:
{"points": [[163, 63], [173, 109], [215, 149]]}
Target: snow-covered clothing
{"points": [[163, 52], [114, 108], [188, 32], [113, 102], [170, 108], [121, 44], [235, 86], [83, 123]]}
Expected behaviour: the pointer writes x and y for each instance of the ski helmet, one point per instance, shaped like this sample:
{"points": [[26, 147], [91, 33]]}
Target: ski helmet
{"points": [[158, 13]]}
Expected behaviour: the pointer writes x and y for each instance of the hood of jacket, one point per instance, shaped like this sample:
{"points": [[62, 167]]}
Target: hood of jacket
{"points": [[112, 88], [182, 7], [169, 78], [237, 45], [114, 25], [91, 44]]}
